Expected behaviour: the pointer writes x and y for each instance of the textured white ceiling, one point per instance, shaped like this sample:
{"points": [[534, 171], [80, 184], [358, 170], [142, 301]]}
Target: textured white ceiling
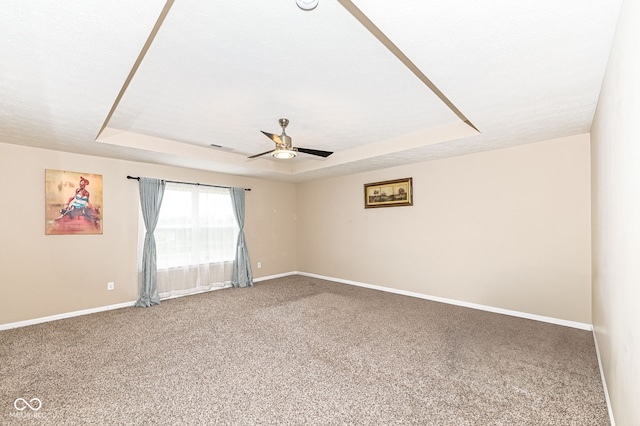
{"points": [[218, 72]]}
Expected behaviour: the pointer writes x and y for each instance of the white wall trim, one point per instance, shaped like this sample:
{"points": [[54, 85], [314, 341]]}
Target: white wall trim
{"points": [[65, 315], [572, 324], [604, 381], [271, 277], [557, 321], [117, 306]]}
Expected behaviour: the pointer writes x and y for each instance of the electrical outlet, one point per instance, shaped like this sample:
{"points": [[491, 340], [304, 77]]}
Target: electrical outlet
{"points": [[110, 286], [259, 265]]}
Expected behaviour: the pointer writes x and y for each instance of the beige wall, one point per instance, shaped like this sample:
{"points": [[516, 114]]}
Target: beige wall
{"points": [[615, 145], [507, 228], [49, 275]]}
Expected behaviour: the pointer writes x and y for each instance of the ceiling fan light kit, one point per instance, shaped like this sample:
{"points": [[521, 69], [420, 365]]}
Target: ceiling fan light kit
{"points": [[283, 154], [307, 4]]}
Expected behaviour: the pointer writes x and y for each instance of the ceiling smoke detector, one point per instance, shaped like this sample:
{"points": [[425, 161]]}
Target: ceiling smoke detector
{"points": [[307, 4]]}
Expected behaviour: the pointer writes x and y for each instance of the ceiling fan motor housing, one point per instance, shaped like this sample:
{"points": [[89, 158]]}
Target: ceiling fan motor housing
{"points": [[286, 140]]}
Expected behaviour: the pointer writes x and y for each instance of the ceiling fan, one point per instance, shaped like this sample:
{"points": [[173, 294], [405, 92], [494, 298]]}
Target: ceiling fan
{"points": [[284, 149]]}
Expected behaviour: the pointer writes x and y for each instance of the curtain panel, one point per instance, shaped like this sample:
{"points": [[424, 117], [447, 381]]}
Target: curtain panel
{"points": [[151, 194], [242, 275]]}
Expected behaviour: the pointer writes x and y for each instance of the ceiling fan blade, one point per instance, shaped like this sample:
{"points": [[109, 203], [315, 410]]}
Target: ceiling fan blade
{"points": [[263, 153], [317, 152], [275, 138]]}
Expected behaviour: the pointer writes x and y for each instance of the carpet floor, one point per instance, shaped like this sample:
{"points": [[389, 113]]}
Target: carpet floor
{"points": [[299, 350]]}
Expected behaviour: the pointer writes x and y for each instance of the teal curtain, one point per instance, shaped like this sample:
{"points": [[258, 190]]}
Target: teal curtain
{"points": [[151, 193], [242, 276]]}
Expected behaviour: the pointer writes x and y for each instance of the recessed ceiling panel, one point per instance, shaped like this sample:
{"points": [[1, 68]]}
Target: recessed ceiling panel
{"points": [[219, 72]]}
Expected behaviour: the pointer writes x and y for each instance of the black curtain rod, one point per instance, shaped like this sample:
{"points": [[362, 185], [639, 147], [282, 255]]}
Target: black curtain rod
{"points": [[189, 183]]}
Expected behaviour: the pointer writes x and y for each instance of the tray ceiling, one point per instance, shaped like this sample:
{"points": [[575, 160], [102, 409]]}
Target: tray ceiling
{"points": [[381, 84]]}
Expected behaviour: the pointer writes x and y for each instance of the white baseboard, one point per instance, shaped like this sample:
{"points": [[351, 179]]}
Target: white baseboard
{"points": [[566, 323], [65, 315], [604, 381], [108, 308], [271, 277], [557, 321]]}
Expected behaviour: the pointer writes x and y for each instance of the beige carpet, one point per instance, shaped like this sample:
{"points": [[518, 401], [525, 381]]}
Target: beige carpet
{"points": [[298, 350]]}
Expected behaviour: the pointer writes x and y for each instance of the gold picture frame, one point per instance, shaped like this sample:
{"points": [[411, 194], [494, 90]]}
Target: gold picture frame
{"points": [[389, 193]]}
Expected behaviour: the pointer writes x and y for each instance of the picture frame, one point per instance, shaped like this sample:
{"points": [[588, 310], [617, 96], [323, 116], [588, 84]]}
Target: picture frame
{"points": [[73, 203], [389, 193]]}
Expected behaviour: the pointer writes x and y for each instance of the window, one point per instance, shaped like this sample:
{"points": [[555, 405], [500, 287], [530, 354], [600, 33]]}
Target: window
{"points": [[196, 227]]}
